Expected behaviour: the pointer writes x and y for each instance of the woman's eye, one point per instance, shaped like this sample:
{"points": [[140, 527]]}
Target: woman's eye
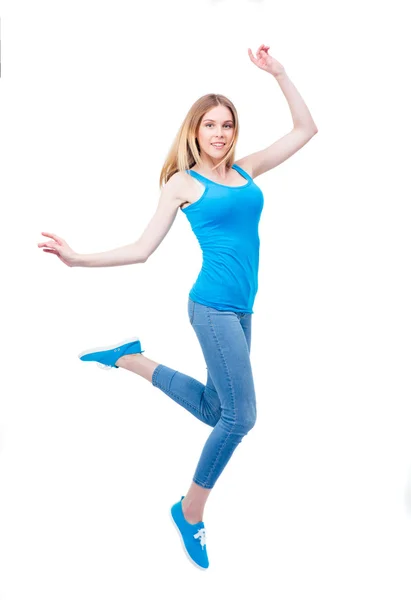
{"points": [[227, 124]]}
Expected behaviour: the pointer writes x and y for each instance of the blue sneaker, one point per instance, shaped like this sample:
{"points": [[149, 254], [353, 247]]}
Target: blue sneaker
{"points": [[108, 356], [192, 536]]}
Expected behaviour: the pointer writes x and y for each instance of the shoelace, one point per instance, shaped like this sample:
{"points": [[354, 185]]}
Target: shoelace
{"points": [[201, 533]]}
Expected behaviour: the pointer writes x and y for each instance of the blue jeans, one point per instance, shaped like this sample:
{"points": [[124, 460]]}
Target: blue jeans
{"points": [[227, 401]]}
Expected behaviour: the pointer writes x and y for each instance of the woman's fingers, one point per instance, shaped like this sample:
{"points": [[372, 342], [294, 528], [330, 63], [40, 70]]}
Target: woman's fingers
{"points": [[58, 247], [262, 48], [53, 236], [251, 55]]}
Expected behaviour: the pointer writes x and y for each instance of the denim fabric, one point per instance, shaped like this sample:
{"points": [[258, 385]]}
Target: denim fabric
{"points": [[227, 401]]}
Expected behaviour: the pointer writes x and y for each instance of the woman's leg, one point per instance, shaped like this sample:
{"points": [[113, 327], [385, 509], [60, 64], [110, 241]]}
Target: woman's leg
{"points": [[227, 354], [200, 400], [203, 400]]}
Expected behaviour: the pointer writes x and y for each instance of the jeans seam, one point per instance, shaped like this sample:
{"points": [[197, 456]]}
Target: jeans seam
{"points": [[155, 374], [191, 313], [209, 487]]}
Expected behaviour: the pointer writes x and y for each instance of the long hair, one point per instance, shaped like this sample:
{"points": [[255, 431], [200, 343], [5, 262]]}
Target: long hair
{"points": [[185, 151]]}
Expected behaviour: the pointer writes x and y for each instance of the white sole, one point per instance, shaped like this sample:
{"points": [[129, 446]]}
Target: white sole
{"points": [[184, 548], [103, 349]]}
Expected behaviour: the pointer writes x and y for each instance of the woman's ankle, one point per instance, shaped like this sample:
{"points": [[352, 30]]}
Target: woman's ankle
{"points": [[138, 364], [191, 514]]}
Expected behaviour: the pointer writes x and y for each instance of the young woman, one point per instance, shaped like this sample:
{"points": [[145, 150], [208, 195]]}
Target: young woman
{"points": [[223, 206]]}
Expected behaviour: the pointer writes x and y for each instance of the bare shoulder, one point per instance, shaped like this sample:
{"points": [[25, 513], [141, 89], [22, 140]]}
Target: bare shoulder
{"points": [[182, 189], [178, 180], [178, 183], [172, 190]]}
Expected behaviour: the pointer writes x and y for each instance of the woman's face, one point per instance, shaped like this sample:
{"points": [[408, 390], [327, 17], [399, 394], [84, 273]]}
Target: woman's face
{"points": [[217, 126]]}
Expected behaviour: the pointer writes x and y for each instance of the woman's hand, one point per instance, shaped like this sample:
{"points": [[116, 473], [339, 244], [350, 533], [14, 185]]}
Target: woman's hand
{"points": [[60, 248], [266, 62]]}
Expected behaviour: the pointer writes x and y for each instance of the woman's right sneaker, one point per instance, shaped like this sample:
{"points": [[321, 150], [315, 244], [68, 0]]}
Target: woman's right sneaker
{"points": [[192, 536]]}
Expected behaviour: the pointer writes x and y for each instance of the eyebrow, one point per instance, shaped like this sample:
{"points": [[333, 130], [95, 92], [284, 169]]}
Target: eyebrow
{"points": [[227, 121]]}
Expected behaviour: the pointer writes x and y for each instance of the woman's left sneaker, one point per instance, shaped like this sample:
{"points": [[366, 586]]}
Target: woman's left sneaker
{"points": [[193, 537], [107, 357]]}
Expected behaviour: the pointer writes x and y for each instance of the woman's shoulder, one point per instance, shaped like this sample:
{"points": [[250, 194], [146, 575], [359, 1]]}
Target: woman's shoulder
{"points": [[182, 187], [177, 179], [182, 182]]}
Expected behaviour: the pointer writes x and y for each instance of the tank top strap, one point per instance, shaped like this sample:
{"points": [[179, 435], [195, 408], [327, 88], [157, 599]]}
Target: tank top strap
{"points": [[242, 172], [206, 181], [199, 177]]}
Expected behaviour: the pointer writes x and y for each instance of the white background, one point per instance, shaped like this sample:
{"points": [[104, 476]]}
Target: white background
{"points": [[316, 500]]}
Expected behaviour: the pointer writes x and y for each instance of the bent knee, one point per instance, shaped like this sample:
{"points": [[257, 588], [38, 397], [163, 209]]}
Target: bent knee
{"points": [[250, 424], [243, 426], [250, 418]]}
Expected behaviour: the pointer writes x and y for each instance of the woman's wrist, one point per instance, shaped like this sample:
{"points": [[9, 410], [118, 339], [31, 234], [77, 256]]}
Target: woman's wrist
{"points": [[281, 75]]}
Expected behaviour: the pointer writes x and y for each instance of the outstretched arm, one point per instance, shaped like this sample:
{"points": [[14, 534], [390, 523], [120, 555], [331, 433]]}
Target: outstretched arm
{"points": [[137, 252]]}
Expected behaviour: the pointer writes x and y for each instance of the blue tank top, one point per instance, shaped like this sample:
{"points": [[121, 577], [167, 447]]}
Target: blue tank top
{"points": [[225, 221]]}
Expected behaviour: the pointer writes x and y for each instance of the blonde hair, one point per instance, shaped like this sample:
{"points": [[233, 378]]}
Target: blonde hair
{"points": [[184, 152]]}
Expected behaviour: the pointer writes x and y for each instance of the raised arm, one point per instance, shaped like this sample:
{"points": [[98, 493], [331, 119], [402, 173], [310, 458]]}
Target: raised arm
{"points": [[151, 238], [304, 127]]}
